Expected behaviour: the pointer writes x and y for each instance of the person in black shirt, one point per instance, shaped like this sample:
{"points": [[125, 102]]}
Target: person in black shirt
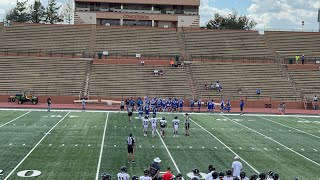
{"points": [[49, 104], [131, 146]]}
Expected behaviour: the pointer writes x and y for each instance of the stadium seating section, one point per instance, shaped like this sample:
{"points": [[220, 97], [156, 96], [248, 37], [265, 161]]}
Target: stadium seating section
{"points": [[47, 38], [226, 43], [43, 75], [307, 80], [249, 77], [290, 44], [134, 41], [133, 80]]}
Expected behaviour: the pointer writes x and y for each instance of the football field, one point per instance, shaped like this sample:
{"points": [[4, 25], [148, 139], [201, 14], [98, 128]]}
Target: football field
{"points": [[76, 145]]}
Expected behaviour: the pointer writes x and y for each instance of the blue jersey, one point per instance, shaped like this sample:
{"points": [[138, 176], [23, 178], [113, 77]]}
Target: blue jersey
{"points": [[241, 104], [83, 102], [141, 110], [164, 103], [199, 103], [210, 105], [191, 103], [175, 103], [139, 102], [159, 103], [228, 104], [154, 111], [147, 102], [153, 102], [181, 103], [169, 103], [132, 102], [147, 108], [222, 104]]}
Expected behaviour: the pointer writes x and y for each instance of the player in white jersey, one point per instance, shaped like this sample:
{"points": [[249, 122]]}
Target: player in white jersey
{"points": [[123, 175], [163, 124], [145, 125], [146, 175], [175, 124], [154, 125]]}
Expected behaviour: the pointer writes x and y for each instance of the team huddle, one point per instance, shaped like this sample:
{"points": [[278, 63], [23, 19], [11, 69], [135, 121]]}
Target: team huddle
{"points": [[162, 125]]}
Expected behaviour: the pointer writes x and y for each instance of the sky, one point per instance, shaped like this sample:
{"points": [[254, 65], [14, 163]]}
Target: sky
{"points": [[269, 14]]}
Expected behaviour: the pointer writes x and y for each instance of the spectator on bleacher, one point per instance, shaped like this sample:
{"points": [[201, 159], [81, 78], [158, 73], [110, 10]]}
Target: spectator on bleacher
{"points": [[297, 59], [218, 86], [258, 91], [142, 63], [236, 167], [161, 72], [239, 91], [171, 62], [206, 86], [315, 102], [302, 59], [179, 64], [168, 175], [156, 72]]}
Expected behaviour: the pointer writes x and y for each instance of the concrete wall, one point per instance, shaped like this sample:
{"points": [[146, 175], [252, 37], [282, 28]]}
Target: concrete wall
{"points": [[164, 2]]}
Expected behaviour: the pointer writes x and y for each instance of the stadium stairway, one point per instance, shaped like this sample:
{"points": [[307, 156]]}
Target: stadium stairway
{"points": [[191, 80]]}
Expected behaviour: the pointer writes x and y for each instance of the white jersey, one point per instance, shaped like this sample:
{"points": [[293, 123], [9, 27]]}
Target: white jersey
{"points": [[146, 122], [237, 167], [145, 178], [153, 122], [163, 123], [123, 176], [176, 123]]}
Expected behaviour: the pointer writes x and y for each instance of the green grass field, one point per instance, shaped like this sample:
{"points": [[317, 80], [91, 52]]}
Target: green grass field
{"points": [[67, 145]]}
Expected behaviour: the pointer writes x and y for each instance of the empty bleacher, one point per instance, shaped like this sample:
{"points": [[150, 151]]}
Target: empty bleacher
{"points": [[249, 77], [227, 43], [46, 38], [307, 80], [128, 41], [45, 76], [290, 44], [133, 80]]}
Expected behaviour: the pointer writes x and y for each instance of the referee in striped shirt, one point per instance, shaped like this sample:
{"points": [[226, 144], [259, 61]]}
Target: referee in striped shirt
{"points": [[131, 147]]}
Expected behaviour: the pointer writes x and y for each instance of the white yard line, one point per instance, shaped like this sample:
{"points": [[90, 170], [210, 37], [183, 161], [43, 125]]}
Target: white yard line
{"points": [[226, 146], [15, 119], [165, 146], [102, 144], [46, 134], [274, 141], [290, 127]]}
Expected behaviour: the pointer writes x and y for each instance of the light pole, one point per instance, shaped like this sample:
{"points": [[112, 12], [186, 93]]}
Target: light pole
{"points": [[302, 23]]}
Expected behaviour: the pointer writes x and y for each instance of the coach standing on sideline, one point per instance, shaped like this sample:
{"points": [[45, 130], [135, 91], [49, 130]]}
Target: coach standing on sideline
{"points": [[49, 104], [154, 168], [131, 147]]}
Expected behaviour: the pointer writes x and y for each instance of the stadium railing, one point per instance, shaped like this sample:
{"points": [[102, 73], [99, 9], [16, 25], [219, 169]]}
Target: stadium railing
{"points": [[308, 60], [233, 59], [44, 53], [130, 55]]}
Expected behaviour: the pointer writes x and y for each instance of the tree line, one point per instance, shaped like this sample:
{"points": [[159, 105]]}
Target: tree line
{"points": [[35, 13]]}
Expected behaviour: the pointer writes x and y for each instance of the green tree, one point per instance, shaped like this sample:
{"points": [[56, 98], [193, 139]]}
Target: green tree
{"points": [[19, 13], [52, 15], [232, 21], [37, 12]]}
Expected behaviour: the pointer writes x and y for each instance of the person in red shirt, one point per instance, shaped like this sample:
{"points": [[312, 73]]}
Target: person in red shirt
{"points": [[167, 175]]}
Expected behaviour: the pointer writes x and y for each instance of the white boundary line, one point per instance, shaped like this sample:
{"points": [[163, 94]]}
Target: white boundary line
{"points": [[180, 113], [290, 127], [36, 146], [15, 119], [225, 146], [273, 141], [165, 146], [102, 144]]}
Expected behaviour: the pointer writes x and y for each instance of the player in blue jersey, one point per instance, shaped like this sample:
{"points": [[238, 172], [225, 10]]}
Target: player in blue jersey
{"points": [[191, 104], [164, 105], [147, 110], [210, 106], [147, 101], [132, 102], [140, 112], [222, 106], [228, 106], [159, 104], [199, 104], [241, 107], [180, 105], [169, 105], [154, 111], [175, 104], [153, 103], [139, 102]]}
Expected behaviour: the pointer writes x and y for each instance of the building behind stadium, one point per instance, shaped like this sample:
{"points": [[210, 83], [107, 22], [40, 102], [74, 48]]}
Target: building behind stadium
{"points": [[150, 13]]}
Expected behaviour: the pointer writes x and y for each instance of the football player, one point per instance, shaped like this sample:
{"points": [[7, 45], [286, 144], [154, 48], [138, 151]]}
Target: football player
{"points": [[159, 104], [180, 105], [163, 124], [175, 124], [154, 125], [199, 104], [147, 109], [140, 111], [191, 104], [123, 175], [105, 176], [146, 175], [210, 106], [145, 125]]}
